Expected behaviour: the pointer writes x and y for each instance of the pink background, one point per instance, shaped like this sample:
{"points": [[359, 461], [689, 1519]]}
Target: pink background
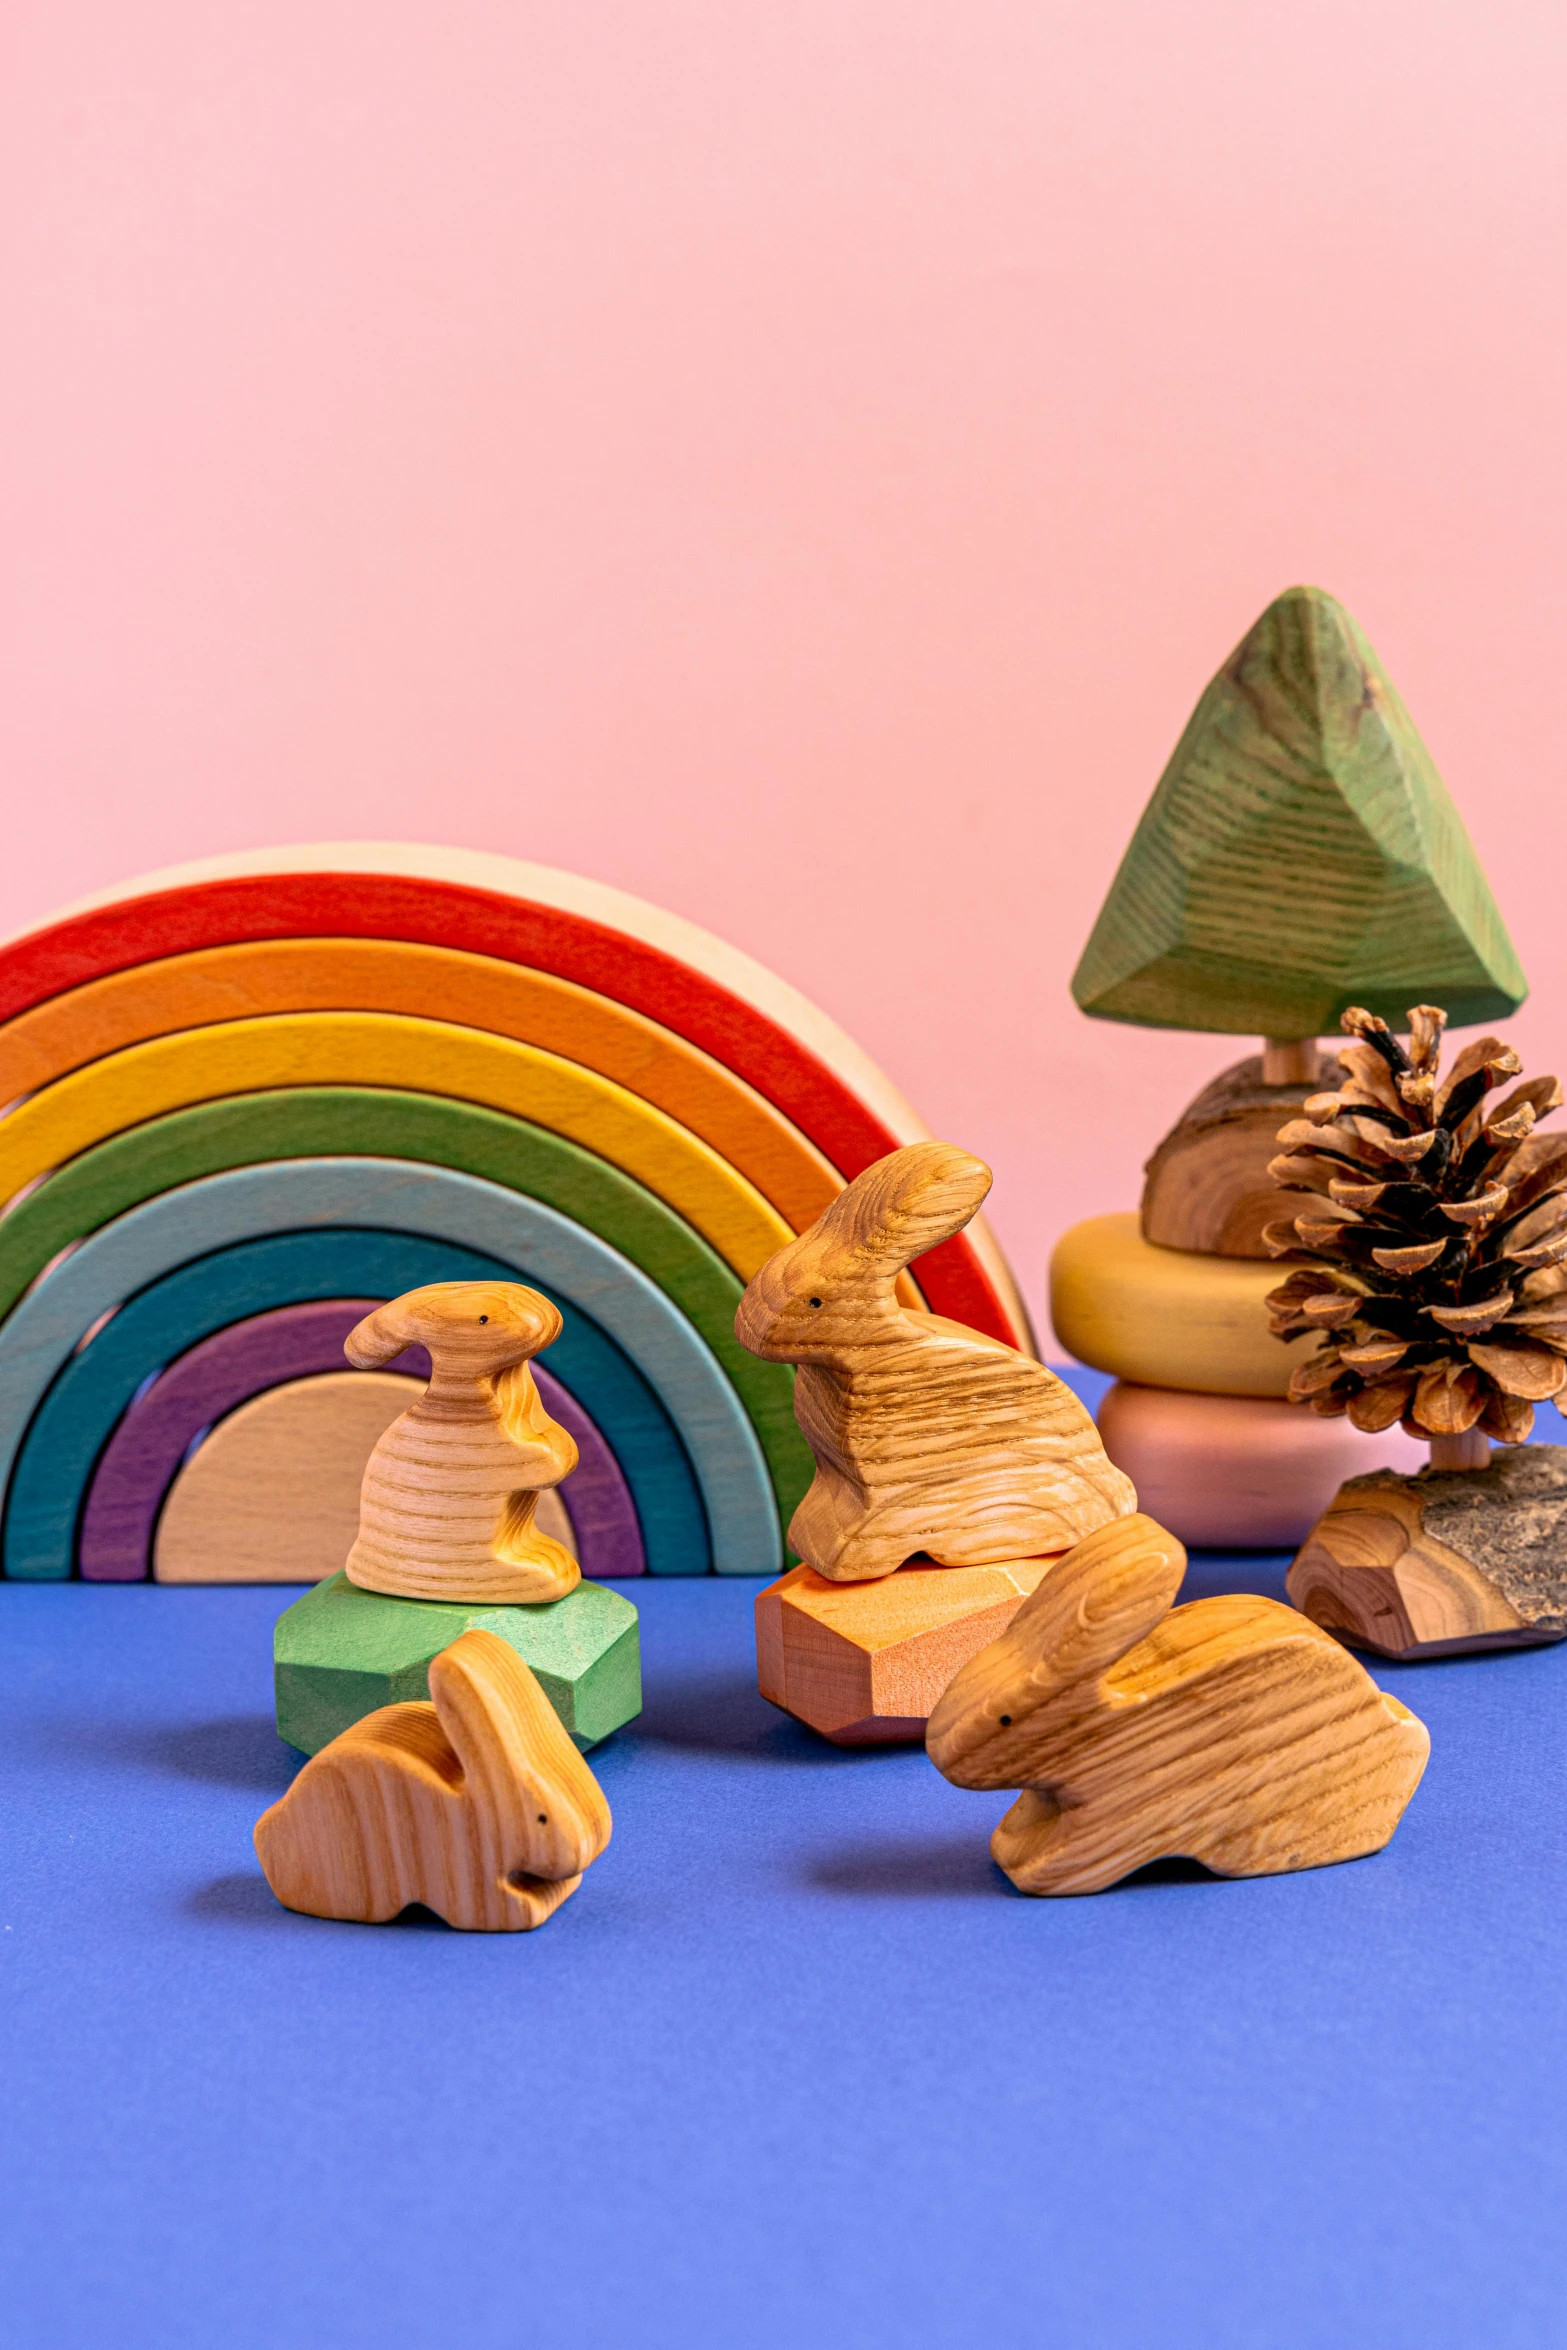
{"points": [[797, 460]]}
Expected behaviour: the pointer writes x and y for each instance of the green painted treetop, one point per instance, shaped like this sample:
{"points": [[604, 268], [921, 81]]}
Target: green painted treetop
{"points": [[1300, 854]]}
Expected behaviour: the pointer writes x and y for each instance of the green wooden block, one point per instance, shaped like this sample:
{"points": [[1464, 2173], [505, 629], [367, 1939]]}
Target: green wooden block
{"points": [[1300, 854], [340, 1652]]}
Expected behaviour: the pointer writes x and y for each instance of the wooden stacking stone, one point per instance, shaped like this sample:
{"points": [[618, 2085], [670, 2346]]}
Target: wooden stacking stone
{"points": [[1237, 1472], [863, 1663], [1165, 1317], [339, 1653], [1207, 1186]]}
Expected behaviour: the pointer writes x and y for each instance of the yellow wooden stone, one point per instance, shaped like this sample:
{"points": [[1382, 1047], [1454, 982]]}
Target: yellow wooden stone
{"points": [[272, 1496], [1166, 1317], [425, 1056]]}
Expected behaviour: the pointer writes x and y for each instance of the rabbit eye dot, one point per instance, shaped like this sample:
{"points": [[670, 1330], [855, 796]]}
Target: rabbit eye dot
{"points": [[816, 1301], [544, 1819], [1006, 1721], [484, 1317]]}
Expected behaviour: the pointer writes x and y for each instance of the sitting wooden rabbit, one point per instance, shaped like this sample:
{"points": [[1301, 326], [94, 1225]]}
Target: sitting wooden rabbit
{"points": [[476, 1804], [928, 1436], [446, 1509], [1232, 1731]]}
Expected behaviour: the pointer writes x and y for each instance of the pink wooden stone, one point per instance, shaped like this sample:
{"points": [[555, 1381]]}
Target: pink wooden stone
{"points": [[143, 1456], [1239, 1472]]}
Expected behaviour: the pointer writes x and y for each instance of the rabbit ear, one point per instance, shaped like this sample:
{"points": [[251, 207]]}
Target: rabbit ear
{"points": [[1096, 1603], [377, 1338], [908, 1203], [1106, 1595]]}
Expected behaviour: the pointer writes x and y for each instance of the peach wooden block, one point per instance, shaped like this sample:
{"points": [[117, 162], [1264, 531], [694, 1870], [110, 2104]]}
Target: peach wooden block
{"points": [[863, 1663], [431, 983], [272, 1495], [1232, 1732], [448, 1509], [929, 1438], [477, 1805], [1238, 1472]]}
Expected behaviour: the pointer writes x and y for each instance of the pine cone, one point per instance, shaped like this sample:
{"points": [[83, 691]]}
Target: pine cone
{"points": [[1431, 1248]]}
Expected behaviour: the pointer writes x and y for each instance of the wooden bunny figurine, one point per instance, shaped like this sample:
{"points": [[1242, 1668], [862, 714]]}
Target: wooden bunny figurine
{"points": [[928, 1436], [1231, 1731], [446, 1508], [476, 1804]]}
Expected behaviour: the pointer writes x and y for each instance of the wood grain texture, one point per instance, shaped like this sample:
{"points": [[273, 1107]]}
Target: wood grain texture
{"points": [[600, 938], [1237, 1472], [326, 1121], [525, 1238], [1231, 1731], [449, 1505], [928, 1437], [266, 1352], [1207, 1186], [433, 983], [863, 1663], [1165, 1317], [379, 1048], [272, 1494], [1300, 854], [1437, 1564], [192, 1301], [477, 1805]]}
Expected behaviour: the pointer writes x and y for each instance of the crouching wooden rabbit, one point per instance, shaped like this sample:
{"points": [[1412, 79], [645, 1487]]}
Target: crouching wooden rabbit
{"points": [[476, 1804], [1231, 1731], [447, 1506]]}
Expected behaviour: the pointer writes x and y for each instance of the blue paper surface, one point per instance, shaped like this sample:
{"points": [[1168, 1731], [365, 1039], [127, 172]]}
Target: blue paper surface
{"points": [[795, 2067]]}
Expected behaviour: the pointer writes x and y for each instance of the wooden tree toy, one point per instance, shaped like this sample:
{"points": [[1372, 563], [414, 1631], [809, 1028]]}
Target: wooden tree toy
{"points": [[477, 1805], [1231, 1731], [932, 1443], [447, 1510], [1429, 1249], [1300, 854]]}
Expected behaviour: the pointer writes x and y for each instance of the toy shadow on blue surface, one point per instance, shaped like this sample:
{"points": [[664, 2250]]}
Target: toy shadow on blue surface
{"points": [[238, 1750]]}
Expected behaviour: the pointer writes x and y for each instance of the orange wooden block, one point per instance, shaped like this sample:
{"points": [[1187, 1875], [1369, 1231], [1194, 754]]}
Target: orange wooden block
{"points": [[864, 1663]]}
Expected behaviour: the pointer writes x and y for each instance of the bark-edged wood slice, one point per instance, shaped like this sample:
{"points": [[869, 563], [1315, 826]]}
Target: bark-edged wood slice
{"points": [[1207, 1186], [1440, 1563]]}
